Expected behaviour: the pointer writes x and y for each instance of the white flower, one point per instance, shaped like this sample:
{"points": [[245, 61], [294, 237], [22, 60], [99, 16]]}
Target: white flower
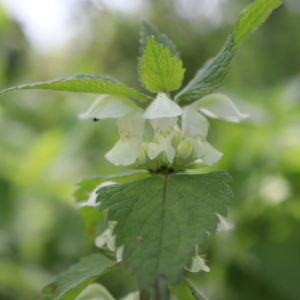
{"points": [[106, 238], [163, 113], [130, 125], [109, 106], [93, 195], [131, 130], [224, 225], [195, 125], [172, 147], [198, 264]]}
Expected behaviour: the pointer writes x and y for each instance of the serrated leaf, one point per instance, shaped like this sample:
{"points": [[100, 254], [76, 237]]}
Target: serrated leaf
{"points": [[86, 186], [90, 217], [161, 38], [160, 221], [84, 84], [209, 78], [70, 284], [250, 18], [159, 70]]}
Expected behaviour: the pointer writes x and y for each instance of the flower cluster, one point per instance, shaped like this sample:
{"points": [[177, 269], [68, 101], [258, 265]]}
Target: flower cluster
{"points": [[173, 147]]}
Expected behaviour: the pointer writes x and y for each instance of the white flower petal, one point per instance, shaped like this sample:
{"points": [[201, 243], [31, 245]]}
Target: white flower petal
{"points": [[194, 123], [119, 253], [164, 146], [124, 153], [169, 152], [111, 243], [103, 238], [93, 196], [154, 149], [219, 106], [109, 106], [224, 225], [162, 107], [198, 264], [207, 152], [131, 124], [164, 124]]}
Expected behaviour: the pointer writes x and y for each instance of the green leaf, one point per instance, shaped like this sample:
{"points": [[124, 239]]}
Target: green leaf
{"points": [[90, 217], [70, 284], [84, 84], [160, 220], [184, 291], [250, 18], [87, 185], [149, 30], [209, 78], [159, 70]]}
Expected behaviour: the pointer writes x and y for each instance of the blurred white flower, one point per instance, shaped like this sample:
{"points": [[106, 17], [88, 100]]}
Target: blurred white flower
{"points": [[195, 124], [224, 225], [107, 238], [198, 264], [130, 125], [93, 195]]}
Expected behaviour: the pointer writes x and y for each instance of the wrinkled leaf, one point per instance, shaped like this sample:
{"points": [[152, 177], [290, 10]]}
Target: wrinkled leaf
{"points": [[160, 71], [161, 220]]}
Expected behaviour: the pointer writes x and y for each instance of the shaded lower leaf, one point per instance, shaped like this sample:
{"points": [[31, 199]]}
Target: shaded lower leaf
{"points": [[70, 284], [90, 216], [184, 291], [160, 221]]}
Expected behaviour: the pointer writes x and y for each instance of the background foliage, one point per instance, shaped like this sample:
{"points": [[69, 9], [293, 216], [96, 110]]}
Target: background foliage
{"points": [[45, 149]]}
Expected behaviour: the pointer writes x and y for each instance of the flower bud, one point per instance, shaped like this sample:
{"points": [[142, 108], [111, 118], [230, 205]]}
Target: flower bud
{"points": [[177, 137], [186, 150]]}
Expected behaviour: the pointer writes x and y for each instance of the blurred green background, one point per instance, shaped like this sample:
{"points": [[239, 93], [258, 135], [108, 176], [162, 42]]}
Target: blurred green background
{"points": [[45, 149]]}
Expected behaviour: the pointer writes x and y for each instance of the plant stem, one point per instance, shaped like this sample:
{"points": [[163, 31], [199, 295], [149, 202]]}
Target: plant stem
{"points": [[144, 296]]}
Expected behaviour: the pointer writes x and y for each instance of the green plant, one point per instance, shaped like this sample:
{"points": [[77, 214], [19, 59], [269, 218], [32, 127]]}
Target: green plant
{"points": [[160, 215]]}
